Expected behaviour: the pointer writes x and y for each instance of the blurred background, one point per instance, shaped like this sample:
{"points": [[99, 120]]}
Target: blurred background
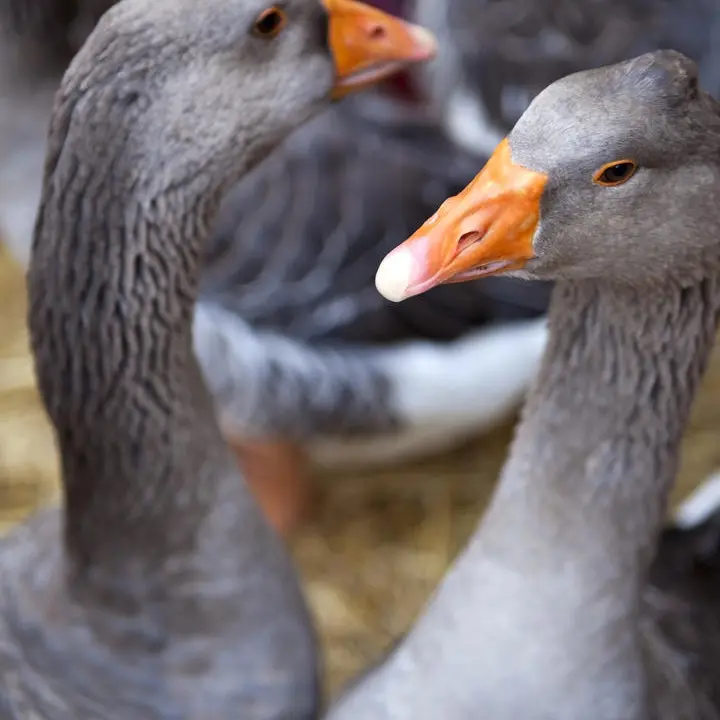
{"points": [[377, 541]]}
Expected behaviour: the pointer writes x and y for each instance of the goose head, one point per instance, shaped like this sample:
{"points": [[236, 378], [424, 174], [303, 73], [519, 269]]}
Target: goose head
{"points": [[207, 89], [611, 173], [211, 44]]}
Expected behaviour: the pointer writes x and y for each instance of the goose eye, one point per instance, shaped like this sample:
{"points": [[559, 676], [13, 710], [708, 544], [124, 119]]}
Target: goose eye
{"points": [[615, 173], [270, 23]]}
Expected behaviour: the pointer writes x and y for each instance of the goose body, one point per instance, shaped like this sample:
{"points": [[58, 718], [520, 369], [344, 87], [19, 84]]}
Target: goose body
{"points": [[570, 601], [287, 297], [158, 590], [482, 81]]}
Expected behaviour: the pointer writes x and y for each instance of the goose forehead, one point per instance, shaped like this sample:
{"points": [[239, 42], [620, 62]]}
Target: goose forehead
{"points": [[603, 114], [570, 129], [182, 16], [180, 7]]}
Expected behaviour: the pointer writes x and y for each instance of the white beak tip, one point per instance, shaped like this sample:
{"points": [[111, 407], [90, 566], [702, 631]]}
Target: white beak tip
{"points": [[394, 274], [426, 39]]}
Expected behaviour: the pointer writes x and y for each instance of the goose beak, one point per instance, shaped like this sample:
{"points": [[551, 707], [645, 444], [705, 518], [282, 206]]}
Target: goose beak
{"points": [[369, 45], [486, 230]]}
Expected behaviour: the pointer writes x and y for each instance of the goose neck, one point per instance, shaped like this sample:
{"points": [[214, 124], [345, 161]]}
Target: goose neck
{"points": [[586, 485], [112, 288], [546, 598]]}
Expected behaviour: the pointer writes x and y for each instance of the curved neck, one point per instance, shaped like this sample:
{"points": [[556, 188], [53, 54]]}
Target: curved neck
{"points": [[112, 291], [547, 596], [598, 447]]}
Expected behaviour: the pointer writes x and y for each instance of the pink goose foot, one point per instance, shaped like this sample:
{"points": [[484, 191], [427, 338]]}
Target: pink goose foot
{"points": [[276, 472]]}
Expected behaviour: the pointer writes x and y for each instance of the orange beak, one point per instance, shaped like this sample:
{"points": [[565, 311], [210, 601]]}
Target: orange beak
{"points": [[369, 45], [486, 230]]}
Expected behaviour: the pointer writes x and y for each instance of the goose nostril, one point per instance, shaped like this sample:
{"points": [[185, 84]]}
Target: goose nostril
{"points": [[466, 240], [377, 32]]}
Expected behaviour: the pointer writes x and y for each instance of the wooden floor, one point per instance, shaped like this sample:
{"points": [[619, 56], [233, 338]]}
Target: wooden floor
{"points": [[379, 542]]}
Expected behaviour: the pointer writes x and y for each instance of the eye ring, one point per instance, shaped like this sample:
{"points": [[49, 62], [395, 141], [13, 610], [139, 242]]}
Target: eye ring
{"points": [[270, 23], [615, 173]]}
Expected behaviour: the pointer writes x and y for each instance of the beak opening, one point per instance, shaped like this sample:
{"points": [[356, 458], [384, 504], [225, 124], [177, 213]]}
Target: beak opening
{"points": [[369, 45], [486, 230]]}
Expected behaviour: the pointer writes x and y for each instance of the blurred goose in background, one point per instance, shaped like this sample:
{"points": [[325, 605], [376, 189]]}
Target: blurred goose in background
{"points": [[287, 300], [347, 373], [570, 601], [496, 55]]}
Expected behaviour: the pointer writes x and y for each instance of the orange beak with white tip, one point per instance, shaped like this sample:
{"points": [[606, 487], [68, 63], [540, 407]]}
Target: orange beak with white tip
{"points": [[369, 45], [486, 230]]}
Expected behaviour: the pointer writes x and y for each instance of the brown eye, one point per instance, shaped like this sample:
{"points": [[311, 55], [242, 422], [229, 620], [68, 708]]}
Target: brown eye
{"points": [[270, 23], [615, 173]]}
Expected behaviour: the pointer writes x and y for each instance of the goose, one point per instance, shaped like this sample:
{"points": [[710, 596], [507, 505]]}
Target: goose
{"points": [[494, 57], [299, 351], [158, 590], [569, 601]]}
